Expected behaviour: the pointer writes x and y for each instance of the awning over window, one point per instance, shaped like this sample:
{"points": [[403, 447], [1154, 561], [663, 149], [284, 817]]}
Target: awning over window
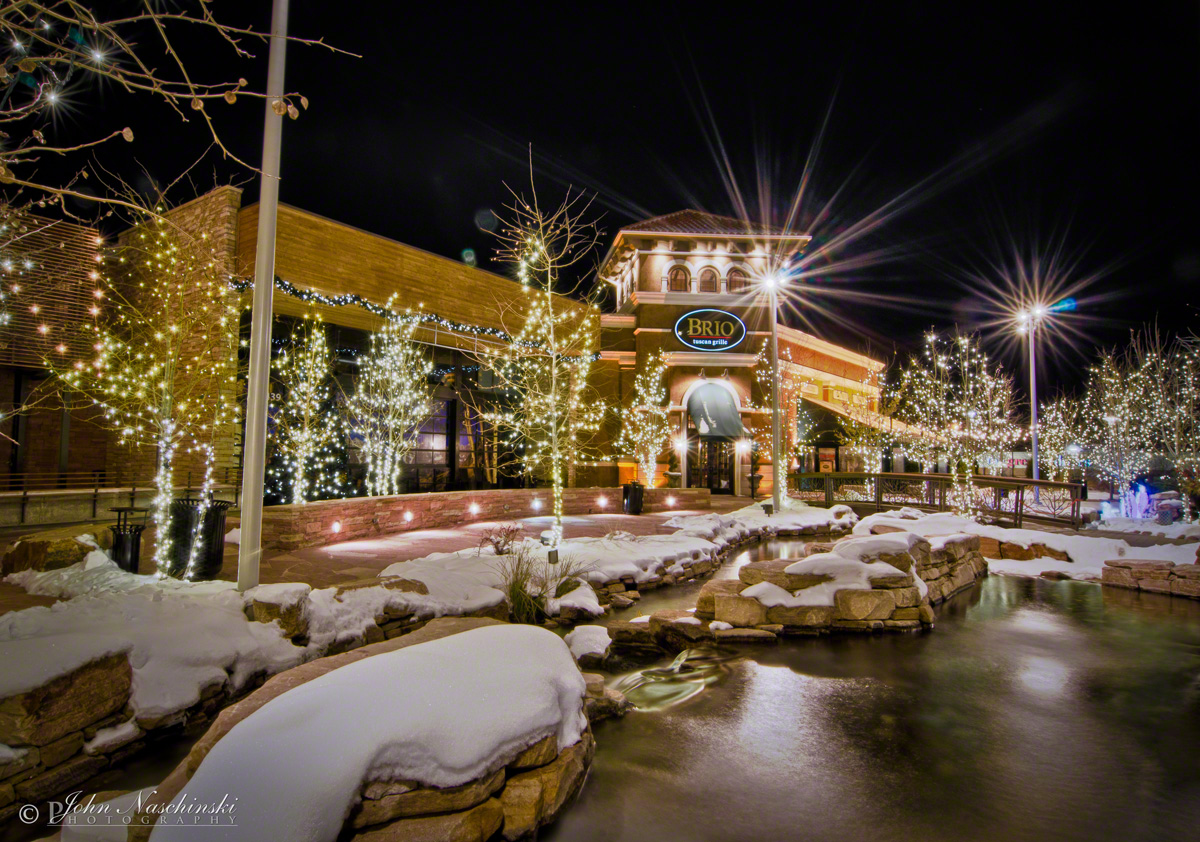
{"points": [[714, 412]]}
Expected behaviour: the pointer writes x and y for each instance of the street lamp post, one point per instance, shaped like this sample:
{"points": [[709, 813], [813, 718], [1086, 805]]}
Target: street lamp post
{"points": [[778, 472], [1033, 400], [1028, 322]]}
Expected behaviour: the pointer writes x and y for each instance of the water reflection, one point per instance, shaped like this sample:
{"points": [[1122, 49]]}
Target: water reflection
{"points": [[1035, 710], [692, 670]]}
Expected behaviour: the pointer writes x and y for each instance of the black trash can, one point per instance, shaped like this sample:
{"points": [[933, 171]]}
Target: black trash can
{"points": [[127, 546], [185, 515], [633, 495]]}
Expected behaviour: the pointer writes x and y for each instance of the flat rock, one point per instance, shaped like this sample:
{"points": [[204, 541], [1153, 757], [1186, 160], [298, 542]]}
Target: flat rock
{"points": [[477, 824], [538, 754], [426, 800], [744, 636], [773, 571], [800, 616]]}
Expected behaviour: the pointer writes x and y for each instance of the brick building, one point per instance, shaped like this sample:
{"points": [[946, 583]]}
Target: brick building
{"points": [[670, 274]]}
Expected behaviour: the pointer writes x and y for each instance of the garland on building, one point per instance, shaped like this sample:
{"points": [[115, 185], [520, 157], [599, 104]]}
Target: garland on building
{"points": [[419, 318]]}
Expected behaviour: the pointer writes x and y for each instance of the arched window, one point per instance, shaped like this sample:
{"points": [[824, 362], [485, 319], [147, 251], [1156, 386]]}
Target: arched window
{"points": [[678, 280], [738, 280], [708, 280]]}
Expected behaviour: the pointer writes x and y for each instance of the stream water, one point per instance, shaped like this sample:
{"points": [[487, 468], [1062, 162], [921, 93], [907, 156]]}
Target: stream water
{"points": [[1036, 710]]}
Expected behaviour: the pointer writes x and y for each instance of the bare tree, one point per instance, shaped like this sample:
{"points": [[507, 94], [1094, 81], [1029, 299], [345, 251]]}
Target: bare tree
{"points": [[551, 413], [164, 357], [59, 53]]}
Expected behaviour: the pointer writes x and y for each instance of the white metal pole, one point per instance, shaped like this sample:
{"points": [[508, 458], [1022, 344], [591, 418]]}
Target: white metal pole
{"points": [[254, 444], [779, 475], [1033, 402]]}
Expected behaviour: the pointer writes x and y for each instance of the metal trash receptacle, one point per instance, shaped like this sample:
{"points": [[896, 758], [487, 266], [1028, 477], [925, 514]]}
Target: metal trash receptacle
{"points": [[633, 496], [185, 517]]}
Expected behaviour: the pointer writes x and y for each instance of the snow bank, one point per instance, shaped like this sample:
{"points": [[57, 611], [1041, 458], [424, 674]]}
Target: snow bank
{"points": [[1115, 523], [98, 574], [588, 640], [178, 644], [1087, 552], [752, 520], [442, 713]]}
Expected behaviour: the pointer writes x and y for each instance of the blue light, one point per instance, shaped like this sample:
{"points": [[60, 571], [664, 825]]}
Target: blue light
{"points": [[1067, 305]]}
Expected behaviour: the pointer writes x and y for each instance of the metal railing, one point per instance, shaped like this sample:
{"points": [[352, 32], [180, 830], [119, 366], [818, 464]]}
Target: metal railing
{"points": [[47, 485], [998, 497]]}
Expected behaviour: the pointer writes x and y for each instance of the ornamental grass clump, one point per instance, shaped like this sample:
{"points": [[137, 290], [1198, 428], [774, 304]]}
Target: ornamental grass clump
{"points": [[529, 581]]}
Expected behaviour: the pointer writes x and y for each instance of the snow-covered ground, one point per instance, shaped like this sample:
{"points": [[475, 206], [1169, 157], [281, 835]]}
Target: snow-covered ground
{"points": [[178, 644], [1087, 552], [184, 637], [441, 714], [1147, 526]]}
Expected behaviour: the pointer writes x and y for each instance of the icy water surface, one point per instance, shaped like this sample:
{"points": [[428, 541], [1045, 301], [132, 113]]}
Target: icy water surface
{"points": [[1036, 711]]}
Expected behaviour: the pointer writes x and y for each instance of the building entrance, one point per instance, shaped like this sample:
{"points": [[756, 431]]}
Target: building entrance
{"points": [[713, 466]]}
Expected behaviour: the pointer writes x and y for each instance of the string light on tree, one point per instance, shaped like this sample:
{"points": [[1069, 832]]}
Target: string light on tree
{"points": [[551, 413], [646, 427], [305, 429], [390, 401]]}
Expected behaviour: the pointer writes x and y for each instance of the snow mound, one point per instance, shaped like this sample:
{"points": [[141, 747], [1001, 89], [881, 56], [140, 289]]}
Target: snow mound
{"points": [[177, 644], [588, 640], [1087, 552], [98, 574], [441, 713]]}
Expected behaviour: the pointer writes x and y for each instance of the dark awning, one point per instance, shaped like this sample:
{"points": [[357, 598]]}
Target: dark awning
{"points": [[714, 412]]}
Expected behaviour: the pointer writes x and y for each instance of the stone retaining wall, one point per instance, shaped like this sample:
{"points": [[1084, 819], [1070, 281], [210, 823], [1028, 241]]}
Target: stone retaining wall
{"points": [[517, 799], [1163, 577], [292, 527]]}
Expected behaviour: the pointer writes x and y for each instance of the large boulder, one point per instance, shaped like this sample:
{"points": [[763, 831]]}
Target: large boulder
{"points": [[67, 703], [53, 549], [740, 611], [775, 572], [706, 601], [863, 605]]}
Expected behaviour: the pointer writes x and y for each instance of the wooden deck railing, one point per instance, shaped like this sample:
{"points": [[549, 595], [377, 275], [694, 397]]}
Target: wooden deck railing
{"points": [[1003, 498]]}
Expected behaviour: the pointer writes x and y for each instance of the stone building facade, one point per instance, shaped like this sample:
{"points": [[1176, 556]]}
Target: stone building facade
{"points": [[691, 284]]}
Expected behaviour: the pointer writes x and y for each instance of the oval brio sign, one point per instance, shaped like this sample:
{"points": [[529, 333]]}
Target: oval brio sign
{"points": [[710, 330]]}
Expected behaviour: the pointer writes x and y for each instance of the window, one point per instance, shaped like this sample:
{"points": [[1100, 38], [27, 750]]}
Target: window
{"points": [[708, 280], [678, 280], [738, 280]]}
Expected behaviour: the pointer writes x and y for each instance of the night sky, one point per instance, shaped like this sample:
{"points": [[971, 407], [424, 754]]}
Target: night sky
{"points": [[978, 128]]}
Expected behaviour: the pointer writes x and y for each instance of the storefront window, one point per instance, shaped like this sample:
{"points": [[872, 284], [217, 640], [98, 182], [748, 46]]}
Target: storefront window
{"points": [[678, 280], [738, 280]]}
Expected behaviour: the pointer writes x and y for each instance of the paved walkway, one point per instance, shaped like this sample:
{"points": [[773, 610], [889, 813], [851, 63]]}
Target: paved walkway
{"points": [[336, 564]]}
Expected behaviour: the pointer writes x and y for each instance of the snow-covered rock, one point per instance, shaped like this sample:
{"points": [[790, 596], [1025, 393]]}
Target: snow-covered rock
{"points": [[446, 713]]}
